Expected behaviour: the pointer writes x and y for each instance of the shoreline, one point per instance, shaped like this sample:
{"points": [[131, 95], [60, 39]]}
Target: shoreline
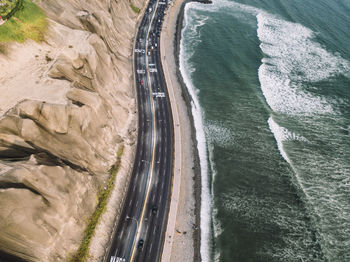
{"points": [[186, 235], [196, 161]]}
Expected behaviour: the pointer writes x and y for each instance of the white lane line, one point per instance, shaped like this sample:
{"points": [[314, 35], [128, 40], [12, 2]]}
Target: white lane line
{"points": [[153, 149], [121, 233], [150, 248]]}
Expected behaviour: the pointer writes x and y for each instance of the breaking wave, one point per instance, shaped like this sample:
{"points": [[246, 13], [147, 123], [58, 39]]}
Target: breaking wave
{"points": [[191, 30]]}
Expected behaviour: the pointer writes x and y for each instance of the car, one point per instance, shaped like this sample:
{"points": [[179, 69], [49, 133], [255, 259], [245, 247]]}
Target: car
{"points": [[140, 244], [154, 209]]}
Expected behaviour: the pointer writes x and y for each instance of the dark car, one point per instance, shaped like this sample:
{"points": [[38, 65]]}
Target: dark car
{"points": [[140, 244], [154, 209]]}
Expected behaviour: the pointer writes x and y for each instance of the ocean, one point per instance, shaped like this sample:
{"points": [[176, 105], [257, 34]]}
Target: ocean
{"points": [[270, 82]]}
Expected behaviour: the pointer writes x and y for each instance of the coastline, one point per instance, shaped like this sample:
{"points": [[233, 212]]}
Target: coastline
{"points": [[196, 161], [186, 235]]}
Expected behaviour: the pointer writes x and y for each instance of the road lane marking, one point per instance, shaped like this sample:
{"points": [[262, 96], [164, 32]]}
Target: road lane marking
{"points": [[153, 149], [158, 94], [151, 246], [121, 233], [128, 234], [140, 51]]}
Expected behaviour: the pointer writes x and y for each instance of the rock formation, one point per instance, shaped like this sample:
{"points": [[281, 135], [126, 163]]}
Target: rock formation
{"points": [[66, 108]]}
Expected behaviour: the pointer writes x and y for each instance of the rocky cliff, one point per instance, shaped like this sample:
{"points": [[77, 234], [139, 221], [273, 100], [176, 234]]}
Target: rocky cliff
{"points": [[68, 105]]}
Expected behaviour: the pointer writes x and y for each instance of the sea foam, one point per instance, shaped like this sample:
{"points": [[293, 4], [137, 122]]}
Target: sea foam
{"points": [[191, 28], [293, 58], [282, 134]]}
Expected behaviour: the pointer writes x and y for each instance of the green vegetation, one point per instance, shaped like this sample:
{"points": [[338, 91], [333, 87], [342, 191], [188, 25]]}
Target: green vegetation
{"points": [[29, 22], [8, 7], [134, 8], [103, 195]]}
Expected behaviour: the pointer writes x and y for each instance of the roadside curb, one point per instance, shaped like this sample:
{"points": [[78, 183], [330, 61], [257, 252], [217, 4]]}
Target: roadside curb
{"points": [[176, 179]]}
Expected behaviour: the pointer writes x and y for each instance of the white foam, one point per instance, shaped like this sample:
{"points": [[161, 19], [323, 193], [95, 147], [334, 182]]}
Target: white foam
{"points": [[218, 230], [192, 25], [261, 212], [216, 223], [218, 134], [205, 212], [284, 96], [294, 58], [229, 7], [282, 134]]}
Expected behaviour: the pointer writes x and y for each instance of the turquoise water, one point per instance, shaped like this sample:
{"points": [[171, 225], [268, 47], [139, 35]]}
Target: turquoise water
{"points": [[271, 86]]}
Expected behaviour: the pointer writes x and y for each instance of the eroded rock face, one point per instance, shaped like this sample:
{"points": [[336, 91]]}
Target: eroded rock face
{"points": [[43, 204], [55, 156]]}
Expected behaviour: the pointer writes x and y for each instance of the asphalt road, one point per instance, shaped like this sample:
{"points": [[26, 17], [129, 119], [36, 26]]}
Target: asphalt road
{"points": [[146, 205]]}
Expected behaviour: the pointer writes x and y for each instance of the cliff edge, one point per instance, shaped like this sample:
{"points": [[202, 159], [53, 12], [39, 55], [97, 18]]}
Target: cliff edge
{"points": [[67, 105]]}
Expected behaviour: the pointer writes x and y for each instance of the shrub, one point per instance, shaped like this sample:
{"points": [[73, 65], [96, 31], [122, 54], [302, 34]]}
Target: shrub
{"points": [[103, 196], [29, 22], [134, 8]]}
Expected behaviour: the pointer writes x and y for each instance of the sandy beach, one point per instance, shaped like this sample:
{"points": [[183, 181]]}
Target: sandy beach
{"points": [[183, 236]]}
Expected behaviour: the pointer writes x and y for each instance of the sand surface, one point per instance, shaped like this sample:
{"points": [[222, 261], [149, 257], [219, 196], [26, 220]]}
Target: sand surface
{"points": [[23, 68]]}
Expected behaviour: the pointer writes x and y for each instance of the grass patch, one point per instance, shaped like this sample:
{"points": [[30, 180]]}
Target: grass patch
{"points": [[7, 6], [27, 23], [103, 195], [134, 8]]}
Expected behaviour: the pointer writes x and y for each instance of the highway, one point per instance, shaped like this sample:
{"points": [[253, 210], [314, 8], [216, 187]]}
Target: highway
{"points": [[140, 232]]}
